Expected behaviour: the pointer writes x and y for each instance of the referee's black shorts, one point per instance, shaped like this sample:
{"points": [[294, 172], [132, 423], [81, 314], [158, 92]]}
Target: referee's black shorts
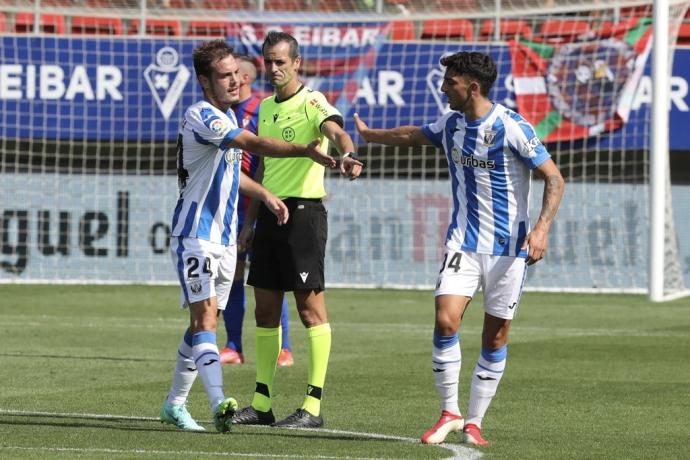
{"points": [[291, 256]]}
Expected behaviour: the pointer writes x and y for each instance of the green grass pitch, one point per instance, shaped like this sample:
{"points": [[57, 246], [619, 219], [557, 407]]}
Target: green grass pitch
{"points": [[86, 368]]}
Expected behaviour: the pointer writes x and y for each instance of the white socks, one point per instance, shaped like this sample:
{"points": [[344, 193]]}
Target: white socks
{"points": [[485, 379], [207, 360], [185, 372], [445, 362]]}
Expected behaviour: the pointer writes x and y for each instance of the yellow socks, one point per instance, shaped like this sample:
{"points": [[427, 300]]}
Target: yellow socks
{"points": [[319, 351], [267, 350]]}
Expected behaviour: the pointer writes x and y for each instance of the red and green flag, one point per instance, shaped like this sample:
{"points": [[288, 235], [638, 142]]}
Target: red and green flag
{"points": [[580, 89]]}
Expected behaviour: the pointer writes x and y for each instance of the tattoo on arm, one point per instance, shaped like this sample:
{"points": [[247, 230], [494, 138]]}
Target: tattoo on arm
{"points": [[553, 192]]}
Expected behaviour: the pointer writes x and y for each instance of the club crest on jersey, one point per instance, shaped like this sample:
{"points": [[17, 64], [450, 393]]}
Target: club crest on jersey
{"points": [[288, 134], [489, 138], [166, 80]]}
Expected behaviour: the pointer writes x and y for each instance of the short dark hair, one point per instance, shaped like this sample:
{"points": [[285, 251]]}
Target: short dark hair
{"points": [[244, 58], [240, 57], [274, 37], [473, 64], [208, 53]]}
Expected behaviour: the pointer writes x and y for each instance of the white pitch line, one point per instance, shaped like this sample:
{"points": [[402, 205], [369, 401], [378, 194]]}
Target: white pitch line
{"points": [[171, 452], [459, 452]]}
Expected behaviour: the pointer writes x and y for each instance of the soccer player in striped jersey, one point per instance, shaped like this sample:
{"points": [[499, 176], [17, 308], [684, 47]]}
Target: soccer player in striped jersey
{"points": [[203, 237], [246, 110], [491, 152]]}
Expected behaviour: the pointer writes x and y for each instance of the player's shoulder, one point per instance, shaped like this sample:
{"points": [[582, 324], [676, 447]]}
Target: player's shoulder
{"points": [[452, 116], [203, 115], [313, 96], [270, 99], [269, 102], [203, 111], [509, 115]]}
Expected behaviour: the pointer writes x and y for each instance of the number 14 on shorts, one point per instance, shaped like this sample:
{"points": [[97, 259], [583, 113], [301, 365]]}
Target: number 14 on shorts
{"points": [[453, 263]]}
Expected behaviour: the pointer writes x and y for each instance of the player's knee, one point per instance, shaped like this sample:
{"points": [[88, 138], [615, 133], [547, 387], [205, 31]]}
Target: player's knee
{"points": [[446, 322], [445, 330], [312, 318], [267, 317], [494, 340]]}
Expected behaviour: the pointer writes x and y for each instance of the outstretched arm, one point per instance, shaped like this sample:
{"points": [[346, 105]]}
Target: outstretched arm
{"points": [[405, 136], [349, 167], [266, 146], [537, 239], [255, 190]]}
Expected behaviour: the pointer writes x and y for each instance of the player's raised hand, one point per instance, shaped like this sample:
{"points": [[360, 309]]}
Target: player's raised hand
{"points": [[362, 128], [277, 207], [536, 241], [316, 154], [351, 167]]}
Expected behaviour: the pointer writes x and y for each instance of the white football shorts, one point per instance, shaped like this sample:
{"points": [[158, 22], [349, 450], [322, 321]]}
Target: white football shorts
{"points": [[501, 279], [204, 269]]}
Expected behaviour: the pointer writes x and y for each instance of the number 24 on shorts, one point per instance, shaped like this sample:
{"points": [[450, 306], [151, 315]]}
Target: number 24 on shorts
{"points": [[193, 265]]}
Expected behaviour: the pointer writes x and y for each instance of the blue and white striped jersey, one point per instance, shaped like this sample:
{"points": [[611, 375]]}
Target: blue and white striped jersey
{"points": [[208, 174], [490, 162]]}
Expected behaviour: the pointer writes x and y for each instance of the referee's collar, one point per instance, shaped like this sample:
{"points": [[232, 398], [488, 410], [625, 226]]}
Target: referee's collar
{"points": [[290, 96]]}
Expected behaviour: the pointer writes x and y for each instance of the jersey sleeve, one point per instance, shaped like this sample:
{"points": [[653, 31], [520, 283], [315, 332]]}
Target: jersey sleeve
{"points": [[434, 131], [523, 141], [212, 126], [320, 110]]}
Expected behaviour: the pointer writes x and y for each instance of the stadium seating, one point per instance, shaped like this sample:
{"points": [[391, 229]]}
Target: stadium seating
{"points": [[164, 27], [212, 29], [50, 23], [639, 11], [68, 3], [285, 5], [88, 25], [448, 28], [110, 3], [402, 30], [555, 30], [508, 28], [228, 5]]}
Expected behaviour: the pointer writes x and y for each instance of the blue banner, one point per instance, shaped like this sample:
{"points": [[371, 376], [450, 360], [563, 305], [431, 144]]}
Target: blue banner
{"points": [[137, 89]]}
